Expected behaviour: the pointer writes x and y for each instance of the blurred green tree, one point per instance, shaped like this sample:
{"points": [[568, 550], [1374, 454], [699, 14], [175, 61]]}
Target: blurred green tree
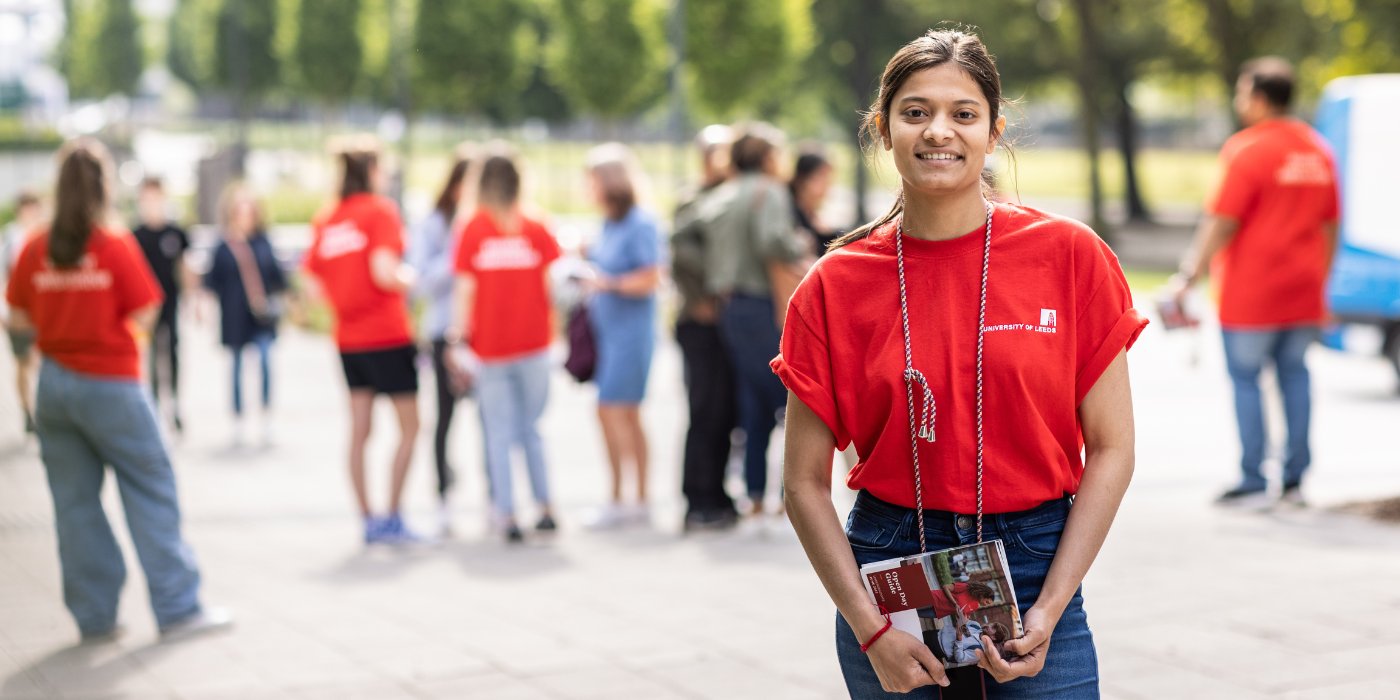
{"points": [[329, 60], [101, 53], [189, 53], [855, 41], [741, 55], [245, 60], [608, 57], [473, 57]]}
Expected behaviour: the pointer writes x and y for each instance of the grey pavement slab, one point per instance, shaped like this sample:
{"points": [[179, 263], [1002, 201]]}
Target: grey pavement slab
{"points": [[1185, 600]]}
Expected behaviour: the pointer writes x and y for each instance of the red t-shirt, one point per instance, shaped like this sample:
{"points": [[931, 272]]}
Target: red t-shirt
{"points": [[366, 316], [510, 313], [1280, 184], [81, 313], [1058, 312], [942, 607]]}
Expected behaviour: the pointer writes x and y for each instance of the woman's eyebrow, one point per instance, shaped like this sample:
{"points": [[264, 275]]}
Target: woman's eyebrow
{"points": [[925, 100]]}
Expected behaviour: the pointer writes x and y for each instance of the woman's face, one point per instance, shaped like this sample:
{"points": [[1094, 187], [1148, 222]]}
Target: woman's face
{"points": [[939, 131], [814, 189], [242, 218]]}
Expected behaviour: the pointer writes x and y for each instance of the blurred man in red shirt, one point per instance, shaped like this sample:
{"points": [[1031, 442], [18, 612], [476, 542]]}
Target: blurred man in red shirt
{"points": [[1273, 222]]}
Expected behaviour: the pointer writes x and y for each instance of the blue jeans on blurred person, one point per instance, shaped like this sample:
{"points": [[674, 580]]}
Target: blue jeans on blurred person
{"points": [[84, 424], [1246, 354], [512, 395], [751, 337], [261, 340], [878, 530]]}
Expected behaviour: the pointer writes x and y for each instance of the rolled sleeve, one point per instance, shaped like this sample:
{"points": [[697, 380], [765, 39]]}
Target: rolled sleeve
{"points": [[804, 366], [1107, 322]]}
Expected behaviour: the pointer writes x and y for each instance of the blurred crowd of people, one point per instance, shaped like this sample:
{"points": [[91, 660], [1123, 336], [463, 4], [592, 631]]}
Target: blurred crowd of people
{"points": [[469, 289]]}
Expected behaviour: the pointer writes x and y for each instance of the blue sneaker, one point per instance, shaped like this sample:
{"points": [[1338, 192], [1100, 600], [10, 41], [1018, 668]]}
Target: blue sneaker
{"points": [[395, 532], [375, 530]]}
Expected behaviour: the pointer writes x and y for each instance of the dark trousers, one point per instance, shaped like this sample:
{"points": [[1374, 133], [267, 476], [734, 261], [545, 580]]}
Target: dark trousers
{"points": [[446, 406], [165, 348], [709, 385], [750, 335]]}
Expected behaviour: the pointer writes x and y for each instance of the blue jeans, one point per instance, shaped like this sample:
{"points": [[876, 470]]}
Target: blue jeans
{"points": [[263, 342], [1246, 353], [878, 530], [512, 397], [751, 338], [85, 423]]}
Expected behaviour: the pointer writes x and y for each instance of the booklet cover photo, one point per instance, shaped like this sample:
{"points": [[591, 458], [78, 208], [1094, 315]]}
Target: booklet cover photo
{"points": [[949, 598]]}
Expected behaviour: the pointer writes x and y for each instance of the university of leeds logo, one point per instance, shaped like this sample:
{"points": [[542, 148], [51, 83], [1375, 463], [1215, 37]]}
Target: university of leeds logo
{"points": [[1047, 318]]}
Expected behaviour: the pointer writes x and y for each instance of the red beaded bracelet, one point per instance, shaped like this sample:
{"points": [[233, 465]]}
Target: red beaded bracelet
{"points": [[875, 637]]}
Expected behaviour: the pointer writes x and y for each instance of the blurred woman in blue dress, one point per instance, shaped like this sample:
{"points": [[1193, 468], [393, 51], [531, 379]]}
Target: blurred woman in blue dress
{"points": [[627, 260]]}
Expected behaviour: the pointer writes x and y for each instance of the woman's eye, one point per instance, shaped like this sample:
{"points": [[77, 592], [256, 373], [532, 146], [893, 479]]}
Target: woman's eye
{"points": [[965, 114], [915, 113]]}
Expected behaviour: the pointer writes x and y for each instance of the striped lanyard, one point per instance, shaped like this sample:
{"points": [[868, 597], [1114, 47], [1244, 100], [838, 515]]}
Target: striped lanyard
{"points": [[923, 428]]}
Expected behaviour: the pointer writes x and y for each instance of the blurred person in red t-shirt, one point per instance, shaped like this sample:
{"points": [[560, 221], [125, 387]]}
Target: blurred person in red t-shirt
{"points": [[85, 290], [503, 313], [356, 256], [1269, 237]]}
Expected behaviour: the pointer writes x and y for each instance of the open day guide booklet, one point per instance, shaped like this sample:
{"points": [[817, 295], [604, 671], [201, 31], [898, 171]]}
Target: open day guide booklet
{"points": [[949, 598]]}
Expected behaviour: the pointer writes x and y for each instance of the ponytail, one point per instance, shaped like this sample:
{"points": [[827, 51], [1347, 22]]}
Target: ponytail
{"points": [[359, 156], [81, 199]]}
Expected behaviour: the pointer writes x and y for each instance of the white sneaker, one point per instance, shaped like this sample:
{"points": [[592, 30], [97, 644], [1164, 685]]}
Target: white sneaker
{"points": [[609, 517], [203, 622], [237, 438], [637, 514], [267, 435], [444, 521]]}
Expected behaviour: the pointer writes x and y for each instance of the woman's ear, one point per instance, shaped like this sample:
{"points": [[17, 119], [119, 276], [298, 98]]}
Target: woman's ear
{"points": [[884, 128], [996, 136]]}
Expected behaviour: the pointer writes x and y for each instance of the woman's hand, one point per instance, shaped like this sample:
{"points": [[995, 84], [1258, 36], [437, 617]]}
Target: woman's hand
{"points": [[1024, 656], [904, 663]]}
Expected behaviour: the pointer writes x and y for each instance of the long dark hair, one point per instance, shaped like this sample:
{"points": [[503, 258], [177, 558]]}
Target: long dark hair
{"points": [[500, 180], [359, 156], [81, 200], [451, 195], [809, 163], [933, 49]]}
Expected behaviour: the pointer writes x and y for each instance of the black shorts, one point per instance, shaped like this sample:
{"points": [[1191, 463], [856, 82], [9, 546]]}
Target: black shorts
{"points": [[388, 371]]}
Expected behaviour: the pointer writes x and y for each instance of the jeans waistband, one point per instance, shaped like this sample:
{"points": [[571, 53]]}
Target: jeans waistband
{"points": [[1050, 511]]}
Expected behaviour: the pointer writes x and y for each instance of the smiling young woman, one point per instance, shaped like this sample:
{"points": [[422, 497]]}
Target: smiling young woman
{"points": [[1006, 330]]}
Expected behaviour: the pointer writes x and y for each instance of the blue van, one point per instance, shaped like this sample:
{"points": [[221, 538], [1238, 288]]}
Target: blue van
{"points": [[1357, 117]]}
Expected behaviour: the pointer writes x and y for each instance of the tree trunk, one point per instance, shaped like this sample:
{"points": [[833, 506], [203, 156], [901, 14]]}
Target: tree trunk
{"points": [[1128, 149], [1233, 44], [1088, 100]]}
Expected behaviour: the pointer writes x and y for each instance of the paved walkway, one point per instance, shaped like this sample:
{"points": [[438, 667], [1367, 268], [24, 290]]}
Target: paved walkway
{"points": [[1185, 601]]}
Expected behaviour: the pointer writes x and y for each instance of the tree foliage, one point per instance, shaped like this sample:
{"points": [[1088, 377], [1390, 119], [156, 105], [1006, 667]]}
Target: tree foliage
{"points": [[101, 54], [245, 59], [740, 54], [190, 54], [608, 57], [329, 60], [472, 57]]}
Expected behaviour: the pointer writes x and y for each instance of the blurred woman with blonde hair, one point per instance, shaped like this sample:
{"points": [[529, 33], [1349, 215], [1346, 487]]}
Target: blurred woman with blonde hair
{"points": [[627, 259], [248, 282]]}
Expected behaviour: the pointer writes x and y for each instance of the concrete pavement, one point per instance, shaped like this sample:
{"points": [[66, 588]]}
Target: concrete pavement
{"points": [[1185, 600]]}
